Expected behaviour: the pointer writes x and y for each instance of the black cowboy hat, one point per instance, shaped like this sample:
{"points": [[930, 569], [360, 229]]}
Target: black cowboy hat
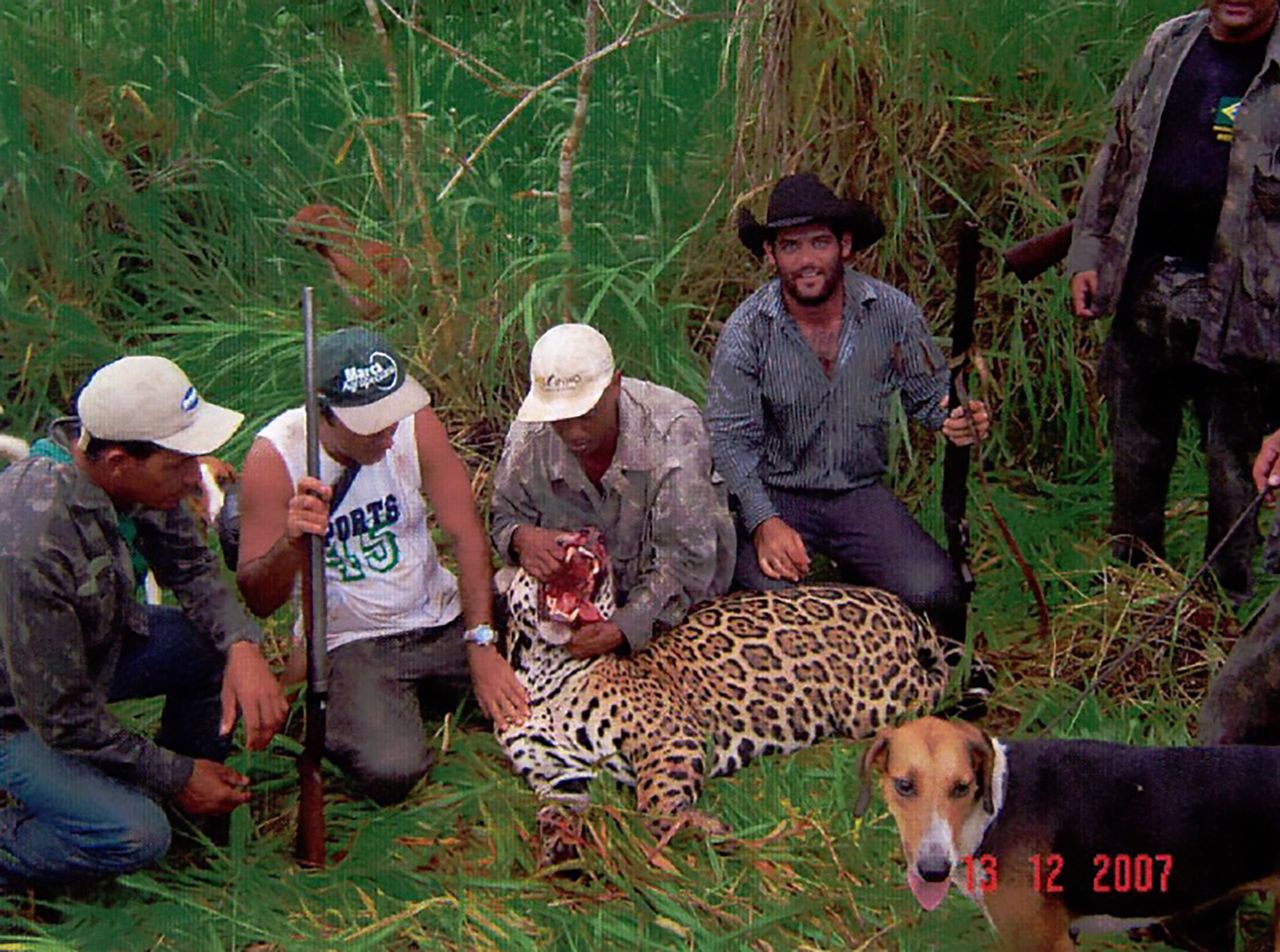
{"points": [[802, 199]]}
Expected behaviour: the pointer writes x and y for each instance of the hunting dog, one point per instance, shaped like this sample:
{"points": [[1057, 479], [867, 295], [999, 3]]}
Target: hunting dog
{"points": [[1054, 837]]}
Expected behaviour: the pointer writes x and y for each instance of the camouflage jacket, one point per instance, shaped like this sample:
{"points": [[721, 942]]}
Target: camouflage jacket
{"points": [[1241, 324], [663, 515], [68, 604]]}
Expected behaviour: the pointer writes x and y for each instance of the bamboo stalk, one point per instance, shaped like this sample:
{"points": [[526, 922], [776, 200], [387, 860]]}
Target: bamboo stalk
{"points": [[408, 145]]}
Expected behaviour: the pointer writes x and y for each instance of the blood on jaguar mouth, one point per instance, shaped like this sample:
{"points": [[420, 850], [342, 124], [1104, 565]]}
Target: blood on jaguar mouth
{"points": [[567, 594]]}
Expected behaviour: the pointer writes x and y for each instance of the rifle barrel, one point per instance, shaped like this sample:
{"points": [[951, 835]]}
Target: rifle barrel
{"points": [[310, 846], [1031, 258], [955, 463]]}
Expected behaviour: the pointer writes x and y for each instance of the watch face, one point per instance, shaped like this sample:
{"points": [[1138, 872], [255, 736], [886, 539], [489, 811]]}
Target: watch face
{"points": [[480, 635]]}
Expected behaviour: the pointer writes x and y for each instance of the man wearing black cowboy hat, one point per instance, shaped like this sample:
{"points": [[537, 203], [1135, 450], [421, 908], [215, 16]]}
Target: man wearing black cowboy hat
{"points": [[799, 400]]}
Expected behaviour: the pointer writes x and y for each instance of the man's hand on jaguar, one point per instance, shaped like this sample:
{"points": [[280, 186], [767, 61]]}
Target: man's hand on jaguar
{"points": [[499, 692], [595, 638], [540, 551]]}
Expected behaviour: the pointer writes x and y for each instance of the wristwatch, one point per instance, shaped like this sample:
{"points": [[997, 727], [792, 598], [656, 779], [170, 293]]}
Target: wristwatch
{"points": [[480, 635]]}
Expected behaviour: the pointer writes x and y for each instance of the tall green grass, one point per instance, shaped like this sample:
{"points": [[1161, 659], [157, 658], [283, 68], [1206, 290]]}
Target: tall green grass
{"points": [[935, 113], [166, 147], [151, 155], [156, 152]]}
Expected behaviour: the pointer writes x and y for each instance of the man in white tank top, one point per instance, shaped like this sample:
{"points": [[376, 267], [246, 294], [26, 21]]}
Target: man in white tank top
{"points": [[397, 619]]}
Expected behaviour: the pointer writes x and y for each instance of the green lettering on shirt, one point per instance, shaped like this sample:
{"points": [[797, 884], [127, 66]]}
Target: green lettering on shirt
{"points": [[354, 558]]}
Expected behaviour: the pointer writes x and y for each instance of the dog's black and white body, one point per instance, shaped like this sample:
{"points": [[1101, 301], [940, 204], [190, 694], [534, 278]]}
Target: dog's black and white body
{"points": [[1053, 837]]}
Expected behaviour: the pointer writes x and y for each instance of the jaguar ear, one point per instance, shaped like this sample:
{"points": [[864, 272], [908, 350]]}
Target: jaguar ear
{"points": [[503, 579], [516, 601]]}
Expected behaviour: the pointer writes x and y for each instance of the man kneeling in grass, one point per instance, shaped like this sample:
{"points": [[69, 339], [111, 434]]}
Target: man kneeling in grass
{"points": [[592, 448], [395, 614], [74, 637]]}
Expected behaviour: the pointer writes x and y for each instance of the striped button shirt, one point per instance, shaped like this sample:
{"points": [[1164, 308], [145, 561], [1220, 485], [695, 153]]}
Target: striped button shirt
{"points": [[777, 420]]}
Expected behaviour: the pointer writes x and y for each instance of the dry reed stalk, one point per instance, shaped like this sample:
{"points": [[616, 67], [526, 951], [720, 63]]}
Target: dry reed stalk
{"points": [[762, 91], [469, 63], [379, 176], [1174, 662], [408, 146], [569, 149]]}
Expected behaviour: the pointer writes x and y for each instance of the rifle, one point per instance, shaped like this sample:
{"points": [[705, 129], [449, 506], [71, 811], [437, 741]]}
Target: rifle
{"points": [[309, 848], [955, 461], [1031, 258]]}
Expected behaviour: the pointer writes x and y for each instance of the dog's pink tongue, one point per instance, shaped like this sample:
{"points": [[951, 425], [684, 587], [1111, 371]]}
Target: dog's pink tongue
{"points": [[929, 895]]}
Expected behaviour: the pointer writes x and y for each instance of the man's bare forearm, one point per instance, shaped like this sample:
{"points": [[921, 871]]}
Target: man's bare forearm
{"points": [[267, 582]]}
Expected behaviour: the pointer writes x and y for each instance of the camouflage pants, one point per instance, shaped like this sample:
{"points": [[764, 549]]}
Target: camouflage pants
{"points": [[1243, 703], [1148, 376]]}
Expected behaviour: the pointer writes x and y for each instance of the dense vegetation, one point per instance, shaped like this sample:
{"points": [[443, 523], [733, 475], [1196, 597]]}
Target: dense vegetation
{"points": [[152, 155]]}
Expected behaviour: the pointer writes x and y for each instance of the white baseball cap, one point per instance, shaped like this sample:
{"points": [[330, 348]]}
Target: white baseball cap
{"points": [[150, 399], [569, 370]]}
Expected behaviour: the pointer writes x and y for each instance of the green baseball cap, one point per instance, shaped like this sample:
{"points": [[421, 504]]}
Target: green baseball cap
{"points": [[365, 382]]}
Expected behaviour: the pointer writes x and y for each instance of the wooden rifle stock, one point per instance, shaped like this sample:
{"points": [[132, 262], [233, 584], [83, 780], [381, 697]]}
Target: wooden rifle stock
{"points": [[309, 848], [955, 462], [1031, 258]]}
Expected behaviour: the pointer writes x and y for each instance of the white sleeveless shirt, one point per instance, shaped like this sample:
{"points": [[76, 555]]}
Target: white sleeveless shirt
{"points": [[381, 567]]}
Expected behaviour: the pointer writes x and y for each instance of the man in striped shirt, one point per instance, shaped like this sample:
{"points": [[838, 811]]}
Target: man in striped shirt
{"points": [[798, 408]]}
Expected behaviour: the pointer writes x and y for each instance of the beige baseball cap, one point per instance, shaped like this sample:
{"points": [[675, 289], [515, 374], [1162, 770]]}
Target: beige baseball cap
{"points": [[569, 370], [150, 399]]}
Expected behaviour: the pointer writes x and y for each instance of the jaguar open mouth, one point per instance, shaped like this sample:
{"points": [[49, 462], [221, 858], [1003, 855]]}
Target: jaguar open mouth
{"points": [[567, 595]]}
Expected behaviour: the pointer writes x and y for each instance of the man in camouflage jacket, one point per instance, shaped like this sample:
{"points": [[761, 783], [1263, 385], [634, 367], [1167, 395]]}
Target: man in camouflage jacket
{"points": [[85, 787], [1242, 705], [591, 448], [1177, 235]]}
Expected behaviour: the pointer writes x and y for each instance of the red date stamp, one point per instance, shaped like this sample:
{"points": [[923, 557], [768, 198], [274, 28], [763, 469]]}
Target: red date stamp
{"points": [[981, 872], [1112, 872], [1137, 872]]}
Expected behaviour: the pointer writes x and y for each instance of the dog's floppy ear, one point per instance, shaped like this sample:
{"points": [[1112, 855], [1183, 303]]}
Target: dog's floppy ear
{"points": [[876, 755], [982, 755]]}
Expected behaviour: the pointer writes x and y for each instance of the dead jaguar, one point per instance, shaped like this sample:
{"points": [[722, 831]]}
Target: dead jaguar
{"points": [[745, 675]]}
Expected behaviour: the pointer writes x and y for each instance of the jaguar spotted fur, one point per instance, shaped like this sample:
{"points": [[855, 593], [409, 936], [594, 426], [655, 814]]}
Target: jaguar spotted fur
{"points": [[745, 675]]}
